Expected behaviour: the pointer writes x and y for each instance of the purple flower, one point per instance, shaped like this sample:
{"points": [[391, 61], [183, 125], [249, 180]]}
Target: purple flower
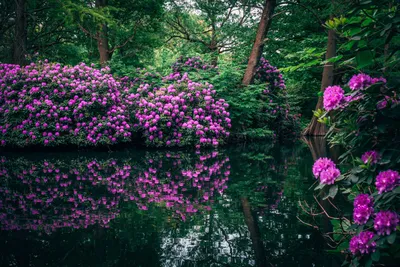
{"points": [[387, 181], [381, 104], [360, 81], [363, 200], [370, 156], [359, 243], [385, 222], [322, 164], [326, 170], [333, 97], [329, 176], [361, 214]]}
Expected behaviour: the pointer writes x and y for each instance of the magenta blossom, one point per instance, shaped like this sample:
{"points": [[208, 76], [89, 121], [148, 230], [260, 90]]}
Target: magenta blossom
{"points": [[385, 222], [370, 156], [362, 81], [325, 169], [363, 208], [387, 180], [360, 244], [333, 97]]}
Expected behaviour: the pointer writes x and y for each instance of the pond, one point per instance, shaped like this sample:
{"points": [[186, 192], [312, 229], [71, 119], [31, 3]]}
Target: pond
{"points": [[237, 206]]}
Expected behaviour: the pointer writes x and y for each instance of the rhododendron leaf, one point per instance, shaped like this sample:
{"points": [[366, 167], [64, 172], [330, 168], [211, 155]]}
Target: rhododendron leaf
{"points": [[368, 263], [320, 186], [333, 191], [392, 238], [376, 255]]}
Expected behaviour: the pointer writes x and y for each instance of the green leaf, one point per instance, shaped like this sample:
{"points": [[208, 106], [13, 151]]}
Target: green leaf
{"points": [[368, 263], [320, 186], [364, 58], [333, 191], [376, 255], [390, 239]]}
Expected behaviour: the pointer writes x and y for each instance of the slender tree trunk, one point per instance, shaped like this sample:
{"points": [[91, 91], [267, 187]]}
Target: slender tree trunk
{"points": [[21, 32], [258, 246], [214, 47], [102, 41], [315, 128], [258, 45]]}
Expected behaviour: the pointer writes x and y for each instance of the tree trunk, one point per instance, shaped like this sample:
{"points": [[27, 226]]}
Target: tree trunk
{"points": [[213, 46], [20, 32], [258, 45], [315, 128], [102, 41], [258, 246]]}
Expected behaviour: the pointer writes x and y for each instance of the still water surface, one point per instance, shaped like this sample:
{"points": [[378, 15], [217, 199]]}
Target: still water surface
{"points": [[233, 207]]}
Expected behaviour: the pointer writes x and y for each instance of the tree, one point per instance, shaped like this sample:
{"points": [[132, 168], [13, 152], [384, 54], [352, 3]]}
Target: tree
{"points": [[21, 32], [316, 128], [114, 24], [258, 45], [213, 24]]}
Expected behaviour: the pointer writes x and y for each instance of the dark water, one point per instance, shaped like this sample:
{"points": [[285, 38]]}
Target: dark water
{"points": [[232, 207]]}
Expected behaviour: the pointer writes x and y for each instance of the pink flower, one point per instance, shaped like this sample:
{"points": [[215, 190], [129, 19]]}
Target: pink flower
{"points": [[385, 222], [333, 97], [370, 156], [387, 180]]}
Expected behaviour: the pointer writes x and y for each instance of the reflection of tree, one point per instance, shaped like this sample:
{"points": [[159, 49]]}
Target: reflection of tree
{"points": [[255, 236], [240, 223], [255, 220]]}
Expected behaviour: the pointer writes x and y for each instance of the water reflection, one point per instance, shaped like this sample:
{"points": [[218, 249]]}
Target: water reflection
{"points": [[234, 207]]}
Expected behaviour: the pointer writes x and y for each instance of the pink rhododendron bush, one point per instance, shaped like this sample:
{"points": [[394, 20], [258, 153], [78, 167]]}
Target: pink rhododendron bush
{"points": [[364, 118], [182, 112], [48, 104]]}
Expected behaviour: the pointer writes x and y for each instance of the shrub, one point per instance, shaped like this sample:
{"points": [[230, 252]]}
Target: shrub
{"points": [[49, 104], [182, 112], [364, 118], [258, 111]]}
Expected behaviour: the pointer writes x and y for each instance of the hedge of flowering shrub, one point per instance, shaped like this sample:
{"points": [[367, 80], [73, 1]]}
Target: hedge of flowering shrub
{"points": [[49, 104], [187, 64], [364, 118], [182, 112]]}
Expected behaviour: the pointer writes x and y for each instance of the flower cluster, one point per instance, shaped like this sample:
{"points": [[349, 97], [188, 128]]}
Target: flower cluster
{"points": [[325, 169], [182, 112], [266, 73], [360, 244], [363, 208], [362, 81], [333, 97], [387, 180], [371, 157], [385, 222], [187, 64], [48, 104]]}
